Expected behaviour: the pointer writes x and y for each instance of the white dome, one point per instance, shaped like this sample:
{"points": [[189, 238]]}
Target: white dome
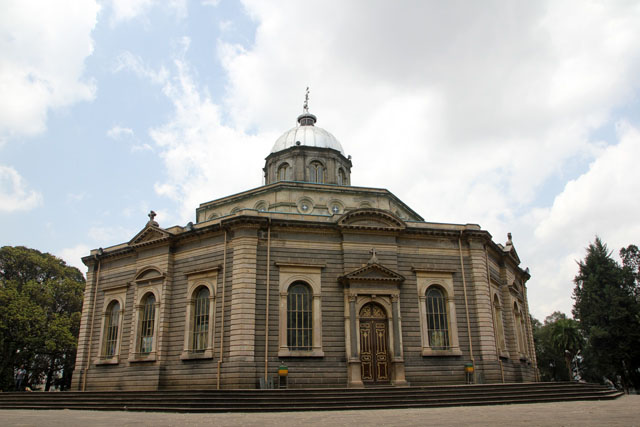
{"points": [[310, 136]]}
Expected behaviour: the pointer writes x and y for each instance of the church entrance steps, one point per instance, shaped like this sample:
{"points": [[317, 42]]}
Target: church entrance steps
{"points": [[308, 399]]}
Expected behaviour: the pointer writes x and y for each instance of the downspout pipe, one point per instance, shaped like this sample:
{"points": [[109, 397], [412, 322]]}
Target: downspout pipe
{"points": [[93, 316], [466, 305], [224, 281]]}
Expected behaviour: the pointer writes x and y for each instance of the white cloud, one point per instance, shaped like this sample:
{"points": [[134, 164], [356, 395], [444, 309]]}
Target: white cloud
{"points": [[43, 45], [76, 197], [119, 132], [604, 201], [14, 192], [196, 147], [465, 113], [73, 256], [126, 10], [134, 63]]}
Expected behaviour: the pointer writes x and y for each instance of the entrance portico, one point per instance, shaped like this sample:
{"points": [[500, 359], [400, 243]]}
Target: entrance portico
{"points": [[373, 326]]}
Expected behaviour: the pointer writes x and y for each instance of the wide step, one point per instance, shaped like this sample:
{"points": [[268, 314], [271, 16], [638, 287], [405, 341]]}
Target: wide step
{"points": [[308, 399]]}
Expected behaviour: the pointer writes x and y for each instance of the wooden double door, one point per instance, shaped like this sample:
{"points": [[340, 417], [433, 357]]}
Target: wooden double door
{"points": [[373, 344]]}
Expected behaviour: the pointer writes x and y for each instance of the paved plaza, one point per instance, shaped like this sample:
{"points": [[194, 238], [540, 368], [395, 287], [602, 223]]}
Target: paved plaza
{"points": [[624, 411]]}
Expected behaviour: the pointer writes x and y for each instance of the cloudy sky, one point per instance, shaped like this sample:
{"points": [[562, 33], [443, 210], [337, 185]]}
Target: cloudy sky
{"points": [[520, 116]]}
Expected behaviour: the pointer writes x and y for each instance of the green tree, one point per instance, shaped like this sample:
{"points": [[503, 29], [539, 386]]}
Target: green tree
{"points": [[41, 300], [557, 342], [608, 311]]}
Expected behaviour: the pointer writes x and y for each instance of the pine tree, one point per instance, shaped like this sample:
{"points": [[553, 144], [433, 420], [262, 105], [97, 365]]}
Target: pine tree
{"points": [[609, 316]]}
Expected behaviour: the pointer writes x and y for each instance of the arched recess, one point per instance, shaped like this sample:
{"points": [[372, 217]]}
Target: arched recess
{"points": [[290, 275], [111, 326], [498, 325], [144, 343], [200, 316]]}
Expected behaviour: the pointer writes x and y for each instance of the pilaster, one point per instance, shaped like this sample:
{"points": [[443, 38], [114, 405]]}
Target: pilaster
{"points": [[481, 294], [243, 294]]}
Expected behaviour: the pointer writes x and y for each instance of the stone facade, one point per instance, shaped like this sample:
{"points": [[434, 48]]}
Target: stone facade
{"points": [[347, 286]]}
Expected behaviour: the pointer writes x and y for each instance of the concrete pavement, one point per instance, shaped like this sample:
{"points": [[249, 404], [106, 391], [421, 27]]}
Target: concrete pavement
{"points": [[624, 411]]}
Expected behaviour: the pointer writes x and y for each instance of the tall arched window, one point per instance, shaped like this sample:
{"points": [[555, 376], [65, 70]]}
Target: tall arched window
{"points": [[147, 324], [282, 172], [342, 178], [111, 329], [201, 320], [299, 317], [316, 172], [437, 320]]}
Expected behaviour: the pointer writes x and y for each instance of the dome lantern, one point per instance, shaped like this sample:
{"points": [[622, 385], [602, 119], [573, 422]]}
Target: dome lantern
{"points": [[323, 160]]}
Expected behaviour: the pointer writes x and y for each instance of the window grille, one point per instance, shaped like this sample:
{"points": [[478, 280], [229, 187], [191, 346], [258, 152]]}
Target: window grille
{"points": [[148, 318], [299, 317], [437, 321], [201, 320]]}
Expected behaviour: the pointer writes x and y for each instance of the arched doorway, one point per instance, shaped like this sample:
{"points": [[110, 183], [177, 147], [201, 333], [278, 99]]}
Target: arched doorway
{"points": [[373, 344]]}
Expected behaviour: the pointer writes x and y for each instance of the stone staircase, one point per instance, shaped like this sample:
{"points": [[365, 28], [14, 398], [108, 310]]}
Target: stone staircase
{"points": [[308, 399]]}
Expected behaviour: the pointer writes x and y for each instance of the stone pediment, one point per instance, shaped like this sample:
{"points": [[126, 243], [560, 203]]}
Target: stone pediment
{"points": [[509, 250], [149, 235], [372, 273], [371, 219]]}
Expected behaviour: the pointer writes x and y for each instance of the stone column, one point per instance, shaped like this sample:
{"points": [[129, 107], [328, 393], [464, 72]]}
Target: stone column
{"points": [[354, 372], [396, 327], [352, 326], [398, 377]]}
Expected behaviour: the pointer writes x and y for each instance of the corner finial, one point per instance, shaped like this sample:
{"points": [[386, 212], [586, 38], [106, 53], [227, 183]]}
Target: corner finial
{"points": [[305, 106]]}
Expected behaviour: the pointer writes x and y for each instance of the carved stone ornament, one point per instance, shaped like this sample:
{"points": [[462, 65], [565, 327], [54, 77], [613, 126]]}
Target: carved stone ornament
{"points": [[371, 219]]}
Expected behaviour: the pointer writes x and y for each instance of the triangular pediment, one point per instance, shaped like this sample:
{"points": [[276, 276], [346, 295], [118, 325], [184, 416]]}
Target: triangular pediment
{"points": [[510, 250], [372, 273], [149, 235], [371, 219]]}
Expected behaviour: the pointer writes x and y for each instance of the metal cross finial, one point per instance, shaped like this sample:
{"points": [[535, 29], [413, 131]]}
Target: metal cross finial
{"points": [[305, 106], [151, 215]]}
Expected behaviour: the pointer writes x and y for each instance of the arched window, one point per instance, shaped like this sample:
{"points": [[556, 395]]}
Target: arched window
{"points": [[299, 317], [497, 322], [147, 324], [342, 178], [316, 172], [437, 320], [282, 172], [111, 329], [201, 320]]}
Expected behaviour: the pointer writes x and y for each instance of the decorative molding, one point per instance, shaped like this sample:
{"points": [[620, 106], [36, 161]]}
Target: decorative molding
{"points": [[372, 273], [371, 219], [149, 235]]}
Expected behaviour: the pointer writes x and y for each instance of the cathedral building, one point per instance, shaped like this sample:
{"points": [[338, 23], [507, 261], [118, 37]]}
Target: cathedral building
{"points": [[347, 286]]}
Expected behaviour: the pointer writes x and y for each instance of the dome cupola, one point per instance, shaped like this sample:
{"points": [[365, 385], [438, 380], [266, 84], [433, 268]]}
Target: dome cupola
{"points": [[307, 153]]}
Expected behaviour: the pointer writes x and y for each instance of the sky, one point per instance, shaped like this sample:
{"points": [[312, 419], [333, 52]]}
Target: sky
{"points": [[520, 116]]}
